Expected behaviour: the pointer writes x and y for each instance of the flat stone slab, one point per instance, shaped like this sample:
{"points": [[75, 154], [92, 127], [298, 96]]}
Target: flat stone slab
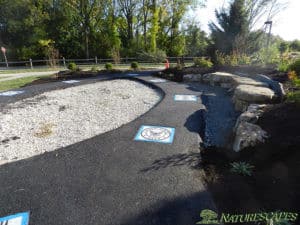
{"points": [[218, 77], [192, 78], [158, 134], [253, 94], [71, 81], [248, 81], [230, 80], [158, 80], [189, 98], [11, 93]]}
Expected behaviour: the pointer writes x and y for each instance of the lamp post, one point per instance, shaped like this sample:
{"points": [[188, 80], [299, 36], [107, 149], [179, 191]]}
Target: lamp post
{"points": [[268, 25]]}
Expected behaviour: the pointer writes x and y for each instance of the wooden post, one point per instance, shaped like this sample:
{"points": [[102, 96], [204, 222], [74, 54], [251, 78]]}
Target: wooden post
{"points": [[5, 58], [4, 53], [96, 60], [31, 65], [64, 62]]}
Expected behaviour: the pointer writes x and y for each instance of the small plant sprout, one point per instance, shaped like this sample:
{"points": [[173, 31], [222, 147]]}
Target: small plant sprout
{"points": [[278, 222], [242, 168]]}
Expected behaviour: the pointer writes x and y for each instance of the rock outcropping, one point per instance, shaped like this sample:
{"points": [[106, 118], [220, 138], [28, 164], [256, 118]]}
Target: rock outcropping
{"points": [[246, 89], [247, 133], [250, 93]]}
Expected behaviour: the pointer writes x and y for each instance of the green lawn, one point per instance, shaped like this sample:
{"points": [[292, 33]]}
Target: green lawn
{"points": [[19, 82], [11, 71]]}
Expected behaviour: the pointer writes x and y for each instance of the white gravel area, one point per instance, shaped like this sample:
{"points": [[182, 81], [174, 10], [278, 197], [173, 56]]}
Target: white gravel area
{"points": [[60, 118]]}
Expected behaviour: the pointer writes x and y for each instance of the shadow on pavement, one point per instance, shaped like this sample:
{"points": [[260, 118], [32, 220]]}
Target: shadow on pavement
{"points": [[189, 159], [196, 122], [184, 210]]}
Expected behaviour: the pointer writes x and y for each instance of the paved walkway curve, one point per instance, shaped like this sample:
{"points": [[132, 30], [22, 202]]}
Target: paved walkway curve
{"points": [[111, 179]]}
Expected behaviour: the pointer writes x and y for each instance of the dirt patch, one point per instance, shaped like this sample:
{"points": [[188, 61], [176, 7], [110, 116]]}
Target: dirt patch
{"points": [[275, 182], [45, 130]]}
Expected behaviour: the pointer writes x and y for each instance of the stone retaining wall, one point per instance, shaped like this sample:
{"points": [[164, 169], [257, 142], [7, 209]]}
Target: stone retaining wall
{"points": [[249, 95]]}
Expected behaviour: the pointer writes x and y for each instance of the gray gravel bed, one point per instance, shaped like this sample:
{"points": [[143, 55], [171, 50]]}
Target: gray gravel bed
{"points": [[59, 118]]}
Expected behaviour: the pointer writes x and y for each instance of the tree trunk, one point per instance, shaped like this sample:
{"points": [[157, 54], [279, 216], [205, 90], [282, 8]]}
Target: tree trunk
{"points": [[87, 53]]}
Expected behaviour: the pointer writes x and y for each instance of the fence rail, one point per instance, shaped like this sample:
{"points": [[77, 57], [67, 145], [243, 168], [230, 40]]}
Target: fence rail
{"points": [[62, 62]]}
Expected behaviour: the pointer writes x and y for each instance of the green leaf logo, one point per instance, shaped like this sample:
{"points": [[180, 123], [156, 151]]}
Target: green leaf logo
{"points": [[208, 217]]}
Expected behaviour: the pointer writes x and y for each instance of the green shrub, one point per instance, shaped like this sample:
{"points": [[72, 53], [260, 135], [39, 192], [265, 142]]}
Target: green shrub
{"points": [[72, 66], [202, 62], [231, 60], [94, 69], [295, 67], [134, 65], [179, 66], [268, 56], [156, 57], [108, 66], [226, 60], [294, 97], [242, 168], [283, 66], [243, 59], [220, 58]]}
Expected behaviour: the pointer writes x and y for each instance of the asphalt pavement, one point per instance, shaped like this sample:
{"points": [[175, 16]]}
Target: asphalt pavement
{"points": [[111, 179]]}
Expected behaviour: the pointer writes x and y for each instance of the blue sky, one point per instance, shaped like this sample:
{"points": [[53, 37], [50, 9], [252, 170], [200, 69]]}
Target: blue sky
{"points": [[286, 24]]}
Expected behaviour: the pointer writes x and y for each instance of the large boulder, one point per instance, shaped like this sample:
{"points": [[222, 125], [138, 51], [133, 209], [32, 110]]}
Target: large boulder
{"points": [[244, 95], [192, 78], [240, 80], [248, 134], [251, 115], [219, 79], [276, 86]]}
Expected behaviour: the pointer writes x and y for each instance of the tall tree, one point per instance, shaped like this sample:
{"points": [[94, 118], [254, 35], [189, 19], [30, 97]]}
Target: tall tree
{"points": [[233, 30], [145, 10], [196, 41], [23, 24], [154, 26], [128, 8], [87, 15], [232, 25]]}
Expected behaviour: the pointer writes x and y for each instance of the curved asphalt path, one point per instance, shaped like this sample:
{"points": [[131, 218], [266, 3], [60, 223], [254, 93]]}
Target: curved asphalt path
{"points": [[111, 179]]}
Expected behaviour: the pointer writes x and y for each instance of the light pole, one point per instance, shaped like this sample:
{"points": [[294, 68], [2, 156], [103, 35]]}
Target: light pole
{"points": [[268, 25], [268, 28]]}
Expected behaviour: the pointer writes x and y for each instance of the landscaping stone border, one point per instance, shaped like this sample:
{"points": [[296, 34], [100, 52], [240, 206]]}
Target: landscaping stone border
{"points": [[250, 93]]}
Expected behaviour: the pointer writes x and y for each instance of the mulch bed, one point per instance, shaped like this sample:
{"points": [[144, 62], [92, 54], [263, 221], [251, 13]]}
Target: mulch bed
{"points": [[69, 75], [275, 183]]}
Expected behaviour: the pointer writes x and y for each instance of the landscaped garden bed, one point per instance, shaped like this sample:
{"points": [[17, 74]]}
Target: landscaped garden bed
{"points": [[273, 184]]}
